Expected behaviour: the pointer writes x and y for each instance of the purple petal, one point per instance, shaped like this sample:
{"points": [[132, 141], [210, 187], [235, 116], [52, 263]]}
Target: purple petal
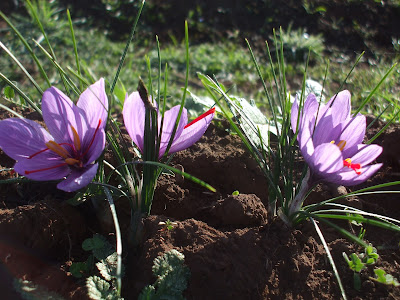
{"points": [[366, 154], [191, 134], [353, 133], [340, 108], [43, 166], [349, 177], [294, 114], [325, 132], [170, 117], [78, 179], [97, 146], [327, 159], [60, 113], [93, 101], [309, 112], [134, 114], [311, 105], [20, 138], [306, 144]]}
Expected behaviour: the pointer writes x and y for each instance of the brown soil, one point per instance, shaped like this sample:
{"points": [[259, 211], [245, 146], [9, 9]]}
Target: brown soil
{"points": [[233, 248]]}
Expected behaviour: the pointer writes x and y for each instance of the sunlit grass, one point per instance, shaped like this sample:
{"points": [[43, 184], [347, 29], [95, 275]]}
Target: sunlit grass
{"points": [[229, 62]]}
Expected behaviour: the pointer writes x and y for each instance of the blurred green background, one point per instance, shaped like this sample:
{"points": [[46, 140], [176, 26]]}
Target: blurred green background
{"points": [[334, 31]]}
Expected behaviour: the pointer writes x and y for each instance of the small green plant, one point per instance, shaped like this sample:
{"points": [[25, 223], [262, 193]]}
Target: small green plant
{"points": [[384, 278], [167, 225], [359, 262], [102, 251], [99, 288], [172, 276]]}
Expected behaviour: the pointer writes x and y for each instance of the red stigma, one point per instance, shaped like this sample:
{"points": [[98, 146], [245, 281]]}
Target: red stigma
{"points": [[211, 111], [355, 167], [91, 142], [74, 160], [45, 169], [45, 149], [34, 154]]}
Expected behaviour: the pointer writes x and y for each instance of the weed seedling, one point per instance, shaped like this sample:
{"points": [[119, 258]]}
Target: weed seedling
{"points": [[384, 278], [359, 262]]}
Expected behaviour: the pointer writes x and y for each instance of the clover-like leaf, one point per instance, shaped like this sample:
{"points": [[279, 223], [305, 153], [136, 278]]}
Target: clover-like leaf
{"points": [[99, 245], [99, 289], [108, 266], [384, 278], [354, 262]]}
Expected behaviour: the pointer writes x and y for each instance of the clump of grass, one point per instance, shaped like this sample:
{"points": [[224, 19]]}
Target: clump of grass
{"points": [[298, 44], [288, 187], [134, 185]]}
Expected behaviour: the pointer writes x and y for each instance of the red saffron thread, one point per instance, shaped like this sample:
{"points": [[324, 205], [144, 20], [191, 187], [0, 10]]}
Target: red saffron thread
{"points": [[91, 142], [45, 169], [65, 163], [211, 111], [41, 151], [355, 167]]}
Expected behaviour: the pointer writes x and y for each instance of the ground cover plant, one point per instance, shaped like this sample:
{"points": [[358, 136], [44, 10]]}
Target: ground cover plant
{"points": [[124, 163]]}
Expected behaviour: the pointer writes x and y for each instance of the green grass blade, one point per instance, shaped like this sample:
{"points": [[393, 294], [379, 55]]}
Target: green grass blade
{"points": [[351, 71], [11, 111], [383, 129], [132, 34], [68, 84], [39, 89], [118, 274], [184, 92], [78, 66], [351, 210], [27, 47], [375, 89], [186, 175], [270, 101], [360, 219], [53, 55], [21, 93], [211, 86], [332, 262], [312, 207]]}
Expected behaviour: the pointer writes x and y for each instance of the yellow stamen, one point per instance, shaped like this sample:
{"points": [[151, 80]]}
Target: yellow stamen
{"points": [[53, 146], [71, 161], [341, 144], [348, 160], [77, 142], [332, 142]]}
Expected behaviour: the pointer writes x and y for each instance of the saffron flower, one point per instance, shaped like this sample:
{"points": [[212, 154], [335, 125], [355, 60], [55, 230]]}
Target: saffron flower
{"points": [[330, 140], [76, 138], [186, 135]]}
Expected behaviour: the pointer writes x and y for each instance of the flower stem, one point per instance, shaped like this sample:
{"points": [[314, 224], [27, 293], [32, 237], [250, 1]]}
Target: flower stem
{"points": [[297, 202]]}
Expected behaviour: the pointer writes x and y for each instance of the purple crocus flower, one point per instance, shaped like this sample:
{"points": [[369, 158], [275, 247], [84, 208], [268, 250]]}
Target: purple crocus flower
{"points": [[330, 140], [186, 135], [75, 141]]}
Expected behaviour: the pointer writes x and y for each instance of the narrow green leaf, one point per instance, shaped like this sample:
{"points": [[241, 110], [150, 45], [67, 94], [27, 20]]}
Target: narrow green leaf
{"points": [[22, 68], [374, 90], [27, 47], [20, 92], [122, 60], [78, 66]]}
